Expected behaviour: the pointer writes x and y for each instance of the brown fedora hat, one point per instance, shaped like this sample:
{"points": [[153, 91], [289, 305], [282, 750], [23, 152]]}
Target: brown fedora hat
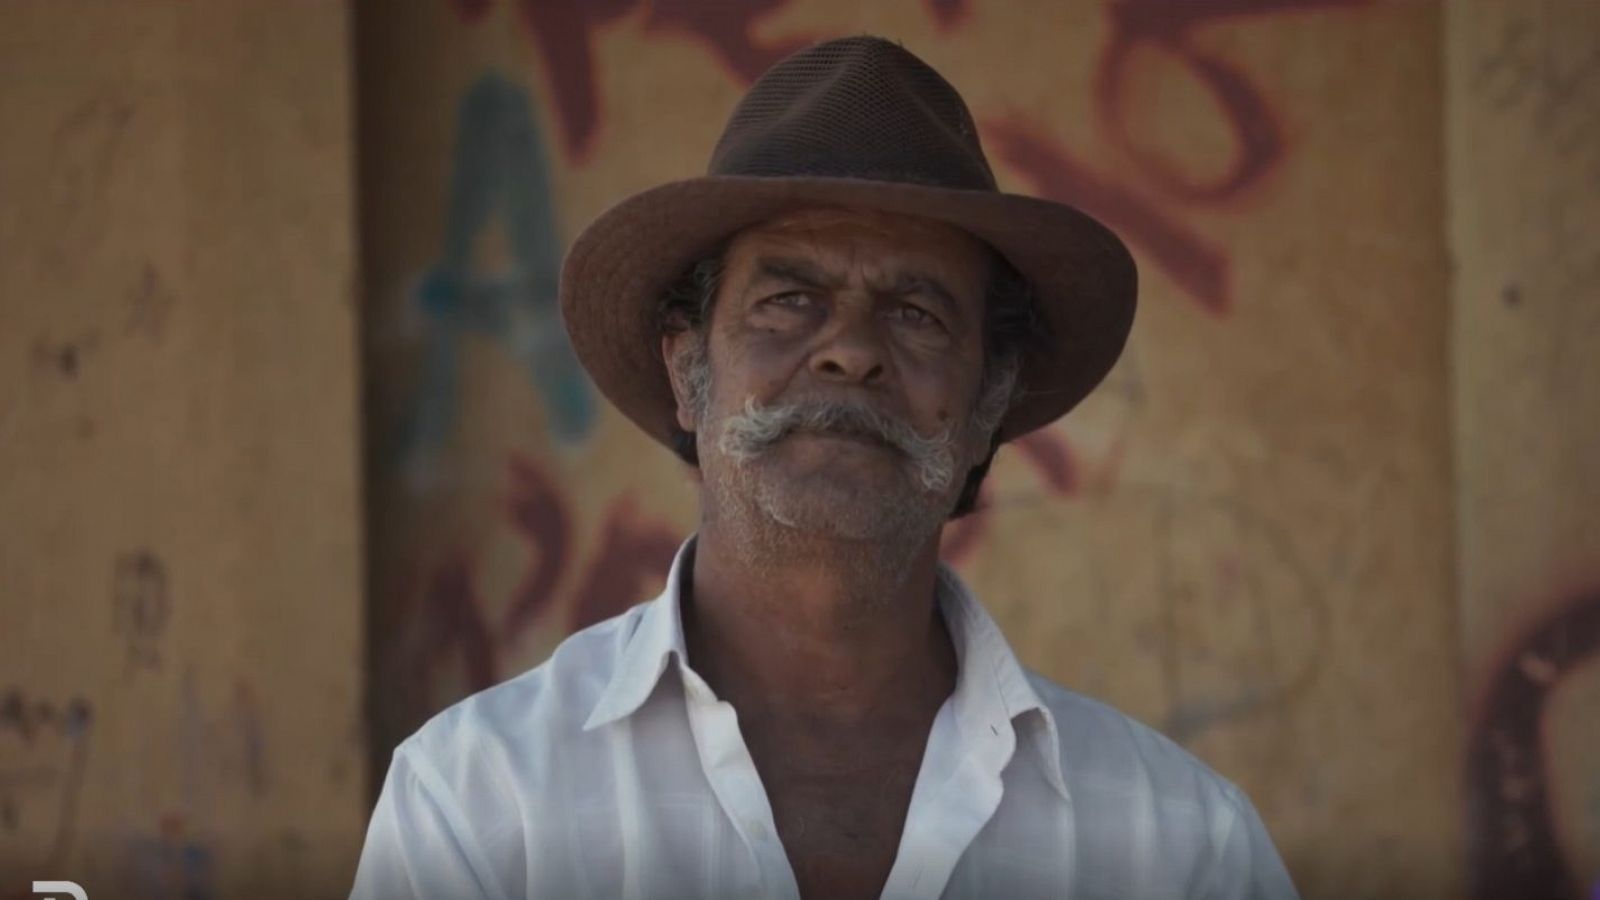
{"points": [[856, 122]]}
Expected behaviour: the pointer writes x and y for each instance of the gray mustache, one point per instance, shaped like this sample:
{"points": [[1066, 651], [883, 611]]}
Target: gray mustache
{"points": [[754, 430]]}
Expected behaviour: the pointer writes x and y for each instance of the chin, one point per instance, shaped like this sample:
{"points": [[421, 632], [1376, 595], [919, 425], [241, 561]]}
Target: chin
{"points": [[850, 509]]}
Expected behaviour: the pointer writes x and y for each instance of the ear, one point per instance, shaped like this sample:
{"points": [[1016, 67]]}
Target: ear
{"points": [[670, 343]]}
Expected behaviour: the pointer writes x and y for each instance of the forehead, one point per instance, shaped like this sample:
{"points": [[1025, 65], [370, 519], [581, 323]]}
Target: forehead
{"points": [[867, 241]]}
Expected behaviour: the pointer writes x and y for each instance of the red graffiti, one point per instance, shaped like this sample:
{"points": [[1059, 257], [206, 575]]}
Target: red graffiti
{"points": [[455, 623], [565, 30], [1514, 848], [949, 14], [1199, 268], [1168, 27], [634, 553], [539, 512], [726, 28], [1051, 458]]}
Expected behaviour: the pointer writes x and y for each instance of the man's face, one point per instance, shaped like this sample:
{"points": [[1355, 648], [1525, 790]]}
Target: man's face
{"points": [[845, 354]]}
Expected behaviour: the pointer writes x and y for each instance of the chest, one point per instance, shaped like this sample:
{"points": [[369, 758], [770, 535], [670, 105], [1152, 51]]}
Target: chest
{"points": [[841, 820]]}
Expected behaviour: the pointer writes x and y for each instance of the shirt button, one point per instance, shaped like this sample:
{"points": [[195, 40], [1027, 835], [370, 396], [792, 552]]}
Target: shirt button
{"points": [[758, 830]]}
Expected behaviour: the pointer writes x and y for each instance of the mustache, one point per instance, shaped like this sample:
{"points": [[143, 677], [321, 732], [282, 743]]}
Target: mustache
{"points": [[752, 431]]}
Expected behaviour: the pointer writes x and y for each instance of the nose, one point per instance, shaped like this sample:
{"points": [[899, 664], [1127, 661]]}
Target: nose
{"points": [[851, 352]]}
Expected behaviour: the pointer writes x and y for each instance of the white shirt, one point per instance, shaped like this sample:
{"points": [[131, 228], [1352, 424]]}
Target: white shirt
{"points": [[613, 771]]}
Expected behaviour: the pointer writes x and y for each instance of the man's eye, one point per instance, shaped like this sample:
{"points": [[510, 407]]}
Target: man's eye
{"points": [[915, 315], [791, 299]]}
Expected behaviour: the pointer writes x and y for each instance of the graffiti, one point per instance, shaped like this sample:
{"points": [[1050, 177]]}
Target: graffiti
{"points": [[1549, 88], [84, 151], [44, 748], [252, 737], [455, 621], [1168, 27], [1512, 833], [1199, 268], [140, 608], [463, 628], [1555, 82], [1048, 455], [949, 14], [500, 174], [565, 34], [726, 30], [539, 512], [65, 358], [1082, 454], [634, 552], [149, 302], [223, 743], [171, 865], [1244, 617]]}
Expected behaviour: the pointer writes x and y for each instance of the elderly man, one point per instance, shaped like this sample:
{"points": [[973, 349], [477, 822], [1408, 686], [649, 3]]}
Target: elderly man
{"points": [[837, 327]]}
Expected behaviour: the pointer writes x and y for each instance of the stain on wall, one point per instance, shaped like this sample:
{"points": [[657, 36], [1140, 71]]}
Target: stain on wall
{"points": [[180, 596], [44, 749]]}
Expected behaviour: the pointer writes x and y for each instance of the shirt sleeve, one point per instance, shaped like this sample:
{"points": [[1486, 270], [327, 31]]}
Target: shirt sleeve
{"points": [[1249, 867], [419, 844]]}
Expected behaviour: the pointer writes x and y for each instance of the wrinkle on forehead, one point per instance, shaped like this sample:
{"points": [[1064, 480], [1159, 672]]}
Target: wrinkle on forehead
{"points": [[877, 244]]}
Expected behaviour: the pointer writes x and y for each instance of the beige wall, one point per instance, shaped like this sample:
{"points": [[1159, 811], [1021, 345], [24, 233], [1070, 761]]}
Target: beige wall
{"points": [[1331, 523], [1524, 136], [180, 617]]}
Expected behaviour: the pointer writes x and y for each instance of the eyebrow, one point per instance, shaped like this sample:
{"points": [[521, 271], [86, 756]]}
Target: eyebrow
{"points": [[796, 271], [918, 283], [793, 270]]}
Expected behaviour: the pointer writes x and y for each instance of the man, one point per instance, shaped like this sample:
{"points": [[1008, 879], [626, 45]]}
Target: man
{"points": [[837, 326]]}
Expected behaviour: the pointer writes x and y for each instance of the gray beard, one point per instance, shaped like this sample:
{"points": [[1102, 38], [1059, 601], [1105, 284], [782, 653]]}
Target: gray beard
{"points": [[771, 517], [772, 510], [767, 511]]}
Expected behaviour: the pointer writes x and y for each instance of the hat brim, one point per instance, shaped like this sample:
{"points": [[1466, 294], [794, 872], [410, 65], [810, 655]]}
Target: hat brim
{"points": [[1083, 278]]}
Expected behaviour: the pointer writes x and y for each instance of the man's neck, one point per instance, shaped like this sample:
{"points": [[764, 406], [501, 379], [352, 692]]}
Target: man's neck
{"points": [[834, 635]]}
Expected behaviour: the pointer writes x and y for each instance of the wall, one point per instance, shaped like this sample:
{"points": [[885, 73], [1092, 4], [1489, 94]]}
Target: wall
{"points": [[1331, 523], [180, 617], [1244, 538], [1524, 137]]}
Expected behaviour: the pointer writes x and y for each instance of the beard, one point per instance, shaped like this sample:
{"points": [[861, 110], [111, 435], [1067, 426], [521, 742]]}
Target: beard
{"points": [[904, 498], [885, 482]]}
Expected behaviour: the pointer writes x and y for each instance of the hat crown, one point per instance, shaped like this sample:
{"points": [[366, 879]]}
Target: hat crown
{"points": [[858, 107]]}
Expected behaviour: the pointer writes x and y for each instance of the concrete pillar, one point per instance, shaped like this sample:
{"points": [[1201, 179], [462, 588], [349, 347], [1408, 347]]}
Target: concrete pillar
{"points": [[180, 562]]}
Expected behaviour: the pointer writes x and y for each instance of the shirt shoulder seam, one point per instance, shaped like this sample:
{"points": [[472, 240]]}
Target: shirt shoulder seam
{"points": [[433, 784]]}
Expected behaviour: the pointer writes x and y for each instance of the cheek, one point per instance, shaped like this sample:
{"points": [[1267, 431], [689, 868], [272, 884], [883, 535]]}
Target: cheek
{"points": [[938, 390], [753, 366]]}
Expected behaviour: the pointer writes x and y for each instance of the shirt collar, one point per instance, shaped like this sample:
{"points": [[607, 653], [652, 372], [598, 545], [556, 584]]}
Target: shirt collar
{"points": [[657, 634], [992, 688]]}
